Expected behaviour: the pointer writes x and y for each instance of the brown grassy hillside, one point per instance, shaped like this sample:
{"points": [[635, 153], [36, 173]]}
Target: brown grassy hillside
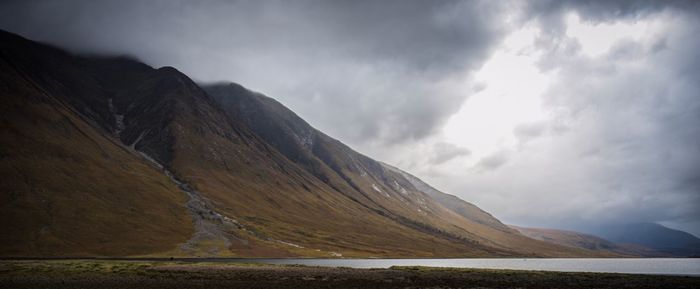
{"points": [[67, 189], [388, 191], [110, 157]]}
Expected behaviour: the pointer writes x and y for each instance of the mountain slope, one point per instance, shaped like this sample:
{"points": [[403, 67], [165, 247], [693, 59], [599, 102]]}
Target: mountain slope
{"points": [[381, 188], [166, 172], [455, 204], [68, 189], [108, 156]]}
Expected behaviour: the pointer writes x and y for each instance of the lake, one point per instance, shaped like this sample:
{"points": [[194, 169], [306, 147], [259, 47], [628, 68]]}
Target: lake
{"points": [[657, 266]]}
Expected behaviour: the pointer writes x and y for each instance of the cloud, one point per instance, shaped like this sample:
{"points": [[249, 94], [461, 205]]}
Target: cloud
{"points": [[618, 140], [608, 10], [600, 10], [530, 130], [395, 70], [493, 161], [551, 13], [443, 152], [630, 151]]}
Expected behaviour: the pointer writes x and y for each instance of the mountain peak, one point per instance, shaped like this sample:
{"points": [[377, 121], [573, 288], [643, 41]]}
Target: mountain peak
{"points": [[120, 159]]}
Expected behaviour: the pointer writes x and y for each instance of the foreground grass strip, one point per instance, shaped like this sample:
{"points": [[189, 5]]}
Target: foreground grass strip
{"points": [[151, 274]]}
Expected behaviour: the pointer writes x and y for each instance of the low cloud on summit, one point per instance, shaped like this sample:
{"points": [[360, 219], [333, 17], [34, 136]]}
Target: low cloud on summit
{"points": [[544, 113]]}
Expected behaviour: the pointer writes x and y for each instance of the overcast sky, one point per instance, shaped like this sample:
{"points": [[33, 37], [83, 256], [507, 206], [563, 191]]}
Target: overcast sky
{"points": [[544, 113]]}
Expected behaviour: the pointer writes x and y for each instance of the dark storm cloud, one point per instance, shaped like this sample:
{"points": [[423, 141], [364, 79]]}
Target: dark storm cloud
{"points": [[606, 10], [387, 67], [550, 13], [429, 36]]}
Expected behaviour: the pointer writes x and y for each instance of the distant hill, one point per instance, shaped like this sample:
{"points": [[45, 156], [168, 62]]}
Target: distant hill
{"points": [[588, 242], [651, 235]]}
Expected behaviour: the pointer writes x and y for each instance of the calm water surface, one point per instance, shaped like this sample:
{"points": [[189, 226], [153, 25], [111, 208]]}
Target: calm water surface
{"points": [[661, 266]]}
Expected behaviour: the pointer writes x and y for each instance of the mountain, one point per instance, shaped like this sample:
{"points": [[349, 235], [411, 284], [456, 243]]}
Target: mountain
{"points": [[465, 209], [651, 235], [588, 242], [68, 186], [107, 156], [381, 188]]}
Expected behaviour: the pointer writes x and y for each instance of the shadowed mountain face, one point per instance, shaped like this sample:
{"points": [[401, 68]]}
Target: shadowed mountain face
{"points": [[636, 239], [651, 235], [110, 157], [68, 187], [589, 242]]}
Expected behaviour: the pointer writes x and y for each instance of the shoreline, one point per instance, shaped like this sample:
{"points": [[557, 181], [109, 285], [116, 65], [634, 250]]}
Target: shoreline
{"points": [[318, 258], [589, 265], [176, 274]]}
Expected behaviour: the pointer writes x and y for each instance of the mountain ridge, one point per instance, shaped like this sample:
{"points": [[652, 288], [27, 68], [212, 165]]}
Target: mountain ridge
{"points": [[376, 182], [586, 241], [111, 157], [650, 235]]}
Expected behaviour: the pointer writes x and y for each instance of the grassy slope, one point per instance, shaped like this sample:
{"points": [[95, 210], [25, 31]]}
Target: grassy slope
{"points": [[251, 182], [465, 209], [68, 189], [375, 186]]}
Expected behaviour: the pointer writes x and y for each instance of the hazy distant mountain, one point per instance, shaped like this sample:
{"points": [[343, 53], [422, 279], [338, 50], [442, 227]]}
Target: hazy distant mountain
{"points": [[651, 235], [106, 156], [588, 242], [634, 239]]}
